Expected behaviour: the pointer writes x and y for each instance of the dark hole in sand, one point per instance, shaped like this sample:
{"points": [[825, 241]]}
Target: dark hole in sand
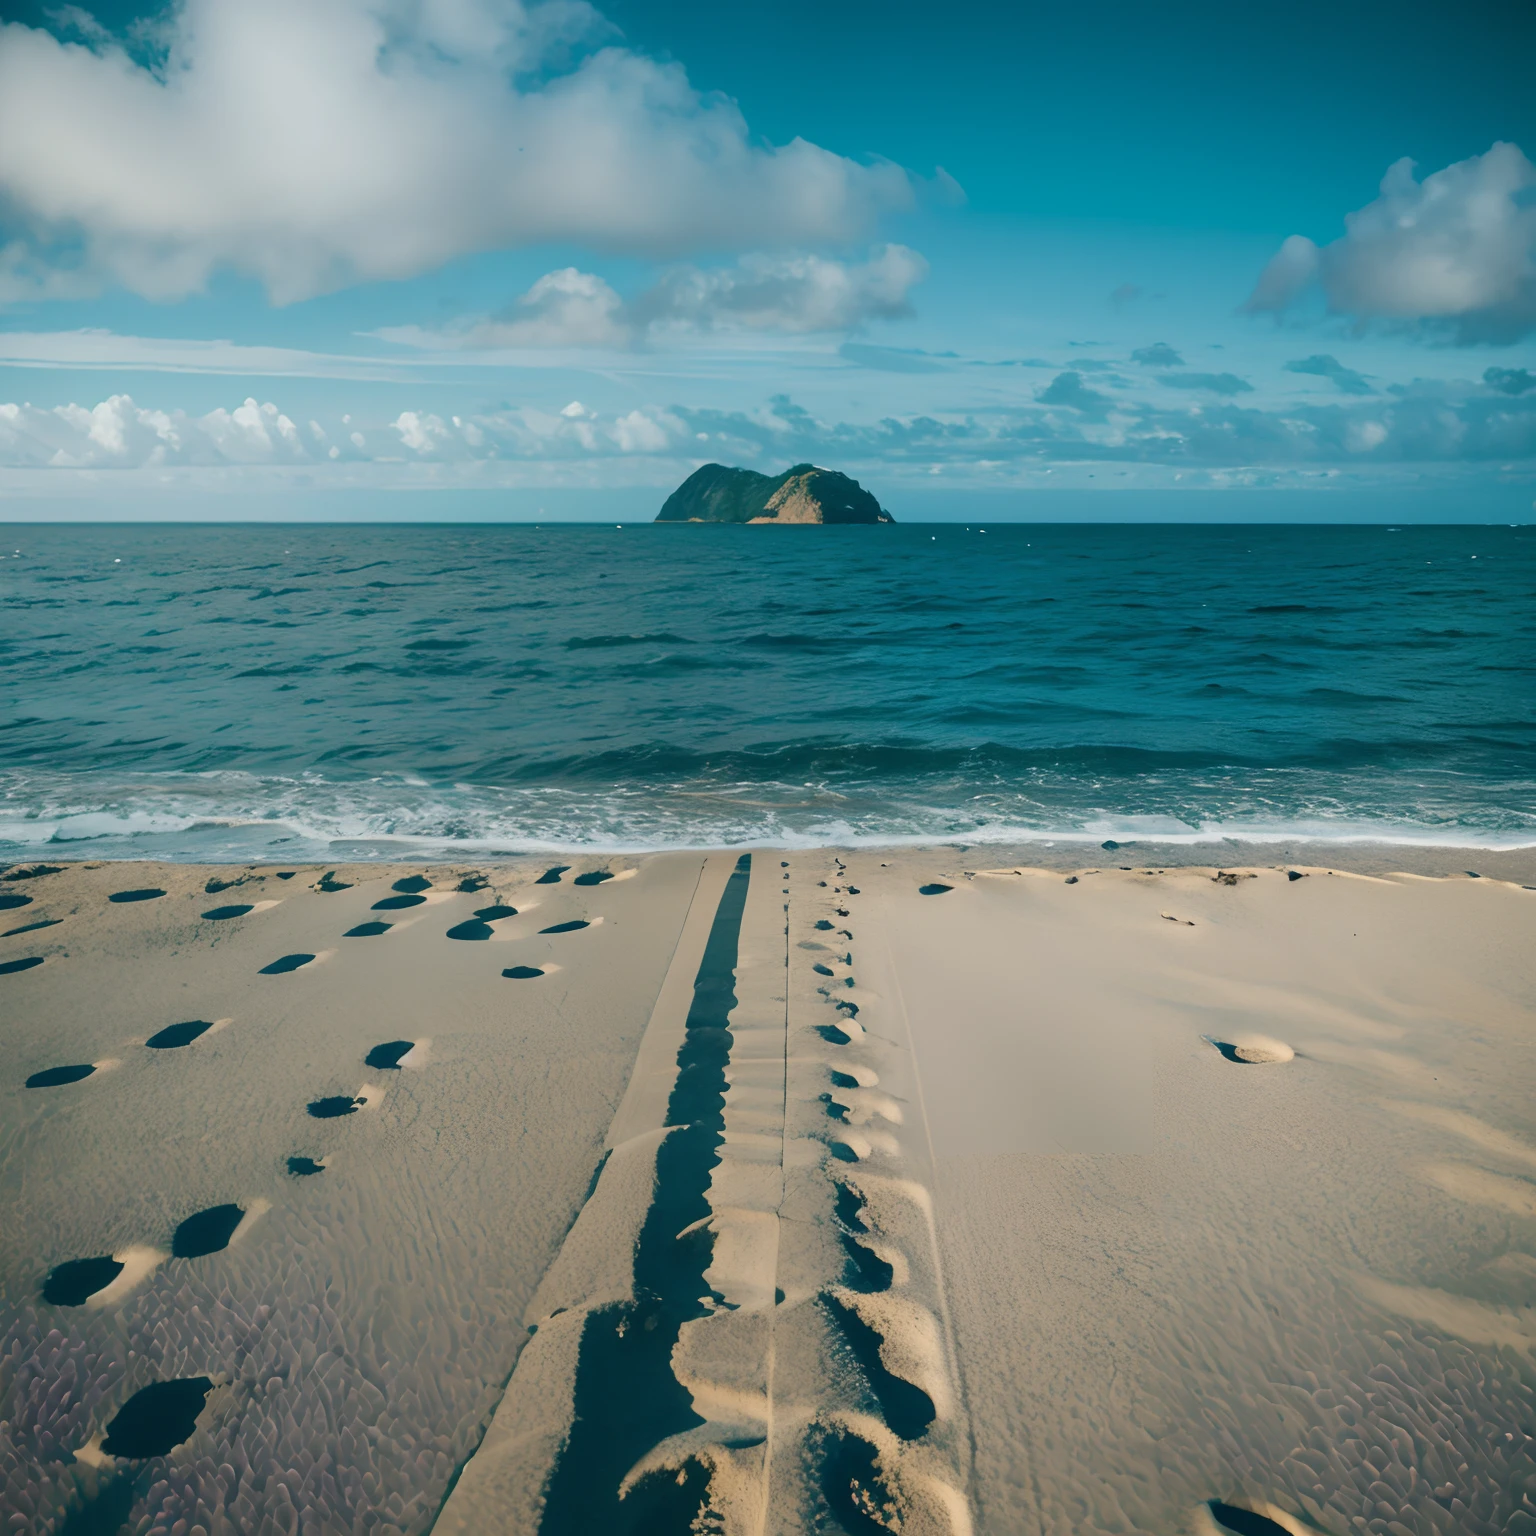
{"points": [[174, 1035], [843, 1152], [57, 1077], [843, 911], [832, 1034], [287, 874], [472, 883], [215, 885], [853, 890], [12, 899], [302, 1167], [822, 970], [852, 1486], [849, 1204], [387, 1056], [1294, 874], [11, 966], [207, 1232], [552, 875], [1243, 1521], [411, 884], [495, 914], [47, 922], [1229, 1052], [334, 1107], [934, 888], [367, 930], [867, 1272], [33, 871], [223, 914], [835, 1111], [842, 1080], [74, 1282], [569, 927], [824, 925], [593, 877], [473, 929], [286, 964], [150, 893], [331, 883], [523, 972], [396, 903], [155, 1420], [906, 1408]]}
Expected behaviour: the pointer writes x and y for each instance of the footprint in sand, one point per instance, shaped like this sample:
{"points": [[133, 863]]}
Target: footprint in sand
{"points": [[411, 884], [206, 1232], [331, 883], [522, 972], [472, 883], [150, 893], [10, 900], [223, 914], [552, 875], [855, 1489], [10, 967], [388, 1055], [907, 1409], [334, 1107], [158, 1418], [933, 888], [47, 922], [285, 964], [480, 926], [570, 927], [173, 1036], [74, 1282], [57, 1077], [593, 877], [1243, 1522], [367, 930], [302, 1167], [398, 903], [1252, 1050]]}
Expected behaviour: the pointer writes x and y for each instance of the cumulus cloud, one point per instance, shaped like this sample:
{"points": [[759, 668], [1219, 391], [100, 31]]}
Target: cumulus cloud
{"points": [[1477, 427], [1345, 379], [1216, 383], [1455, 253], [1068, 389], [1158, 355], [309, 146], [762, 292], [1509, 381]]}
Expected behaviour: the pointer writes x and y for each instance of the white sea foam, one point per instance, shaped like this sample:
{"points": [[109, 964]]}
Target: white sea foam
{"points": [[237, 817]]}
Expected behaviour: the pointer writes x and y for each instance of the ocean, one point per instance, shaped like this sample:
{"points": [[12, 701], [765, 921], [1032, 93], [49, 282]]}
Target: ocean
{"points": [[312, 692]]}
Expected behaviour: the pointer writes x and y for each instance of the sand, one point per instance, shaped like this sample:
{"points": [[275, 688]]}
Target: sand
{"points": [[1065, 1198]]}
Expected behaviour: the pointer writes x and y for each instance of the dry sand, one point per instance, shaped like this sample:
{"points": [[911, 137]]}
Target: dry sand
{"points": [[1061, 1199]]}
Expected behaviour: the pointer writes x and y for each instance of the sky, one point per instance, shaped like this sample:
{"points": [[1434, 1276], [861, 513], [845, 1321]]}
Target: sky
{"points": [[358, 253]]}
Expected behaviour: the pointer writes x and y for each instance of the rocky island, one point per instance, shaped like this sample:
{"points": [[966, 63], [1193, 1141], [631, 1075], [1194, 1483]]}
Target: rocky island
{"points": [[718, 493]]}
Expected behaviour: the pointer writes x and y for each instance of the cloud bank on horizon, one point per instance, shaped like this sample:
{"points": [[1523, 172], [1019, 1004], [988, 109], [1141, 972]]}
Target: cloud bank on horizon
{"points": [[446, 222]]}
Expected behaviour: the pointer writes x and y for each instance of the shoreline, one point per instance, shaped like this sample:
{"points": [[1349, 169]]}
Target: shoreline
{"points": [[1365, 857]]}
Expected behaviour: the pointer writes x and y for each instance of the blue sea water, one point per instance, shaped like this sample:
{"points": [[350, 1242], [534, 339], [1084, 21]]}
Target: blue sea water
{"points": [[261, 692]]}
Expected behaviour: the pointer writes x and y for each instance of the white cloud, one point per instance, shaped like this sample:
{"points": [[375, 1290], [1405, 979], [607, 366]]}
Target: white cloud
{"points": [[1457, 251], [788, 293], [312, 145], [1448, 426], [793, 294]]}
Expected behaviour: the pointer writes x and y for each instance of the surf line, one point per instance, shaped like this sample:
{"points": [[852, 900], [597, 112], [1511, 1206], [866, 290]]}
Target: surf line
{"points": [[627, 1399]]}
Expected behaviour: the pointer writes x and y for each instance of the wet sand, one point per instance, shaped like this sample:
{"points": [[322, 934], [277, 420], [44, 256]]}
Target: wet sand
{"points": [[936, 1190]]}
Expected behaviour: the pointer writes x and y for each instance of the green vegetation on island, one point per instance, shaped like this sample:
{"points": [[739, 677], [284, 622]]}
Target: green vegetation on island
{"points": [[718, 493]]}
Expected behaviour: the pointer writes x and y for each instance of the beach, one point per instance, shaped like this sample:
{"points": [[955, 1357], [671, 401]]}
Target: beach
{"points": [[926, 1190]]}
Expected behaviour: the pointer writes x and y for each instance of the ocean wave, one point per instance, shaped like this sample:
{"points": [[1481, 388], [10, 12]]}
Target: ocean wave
{"points": [[224, 817]]}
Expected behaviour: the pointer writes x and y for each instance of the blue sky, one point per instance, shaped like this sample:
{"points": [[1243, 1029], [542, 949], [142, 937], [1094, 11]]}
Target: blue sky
{"points": [[556, 252]]}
